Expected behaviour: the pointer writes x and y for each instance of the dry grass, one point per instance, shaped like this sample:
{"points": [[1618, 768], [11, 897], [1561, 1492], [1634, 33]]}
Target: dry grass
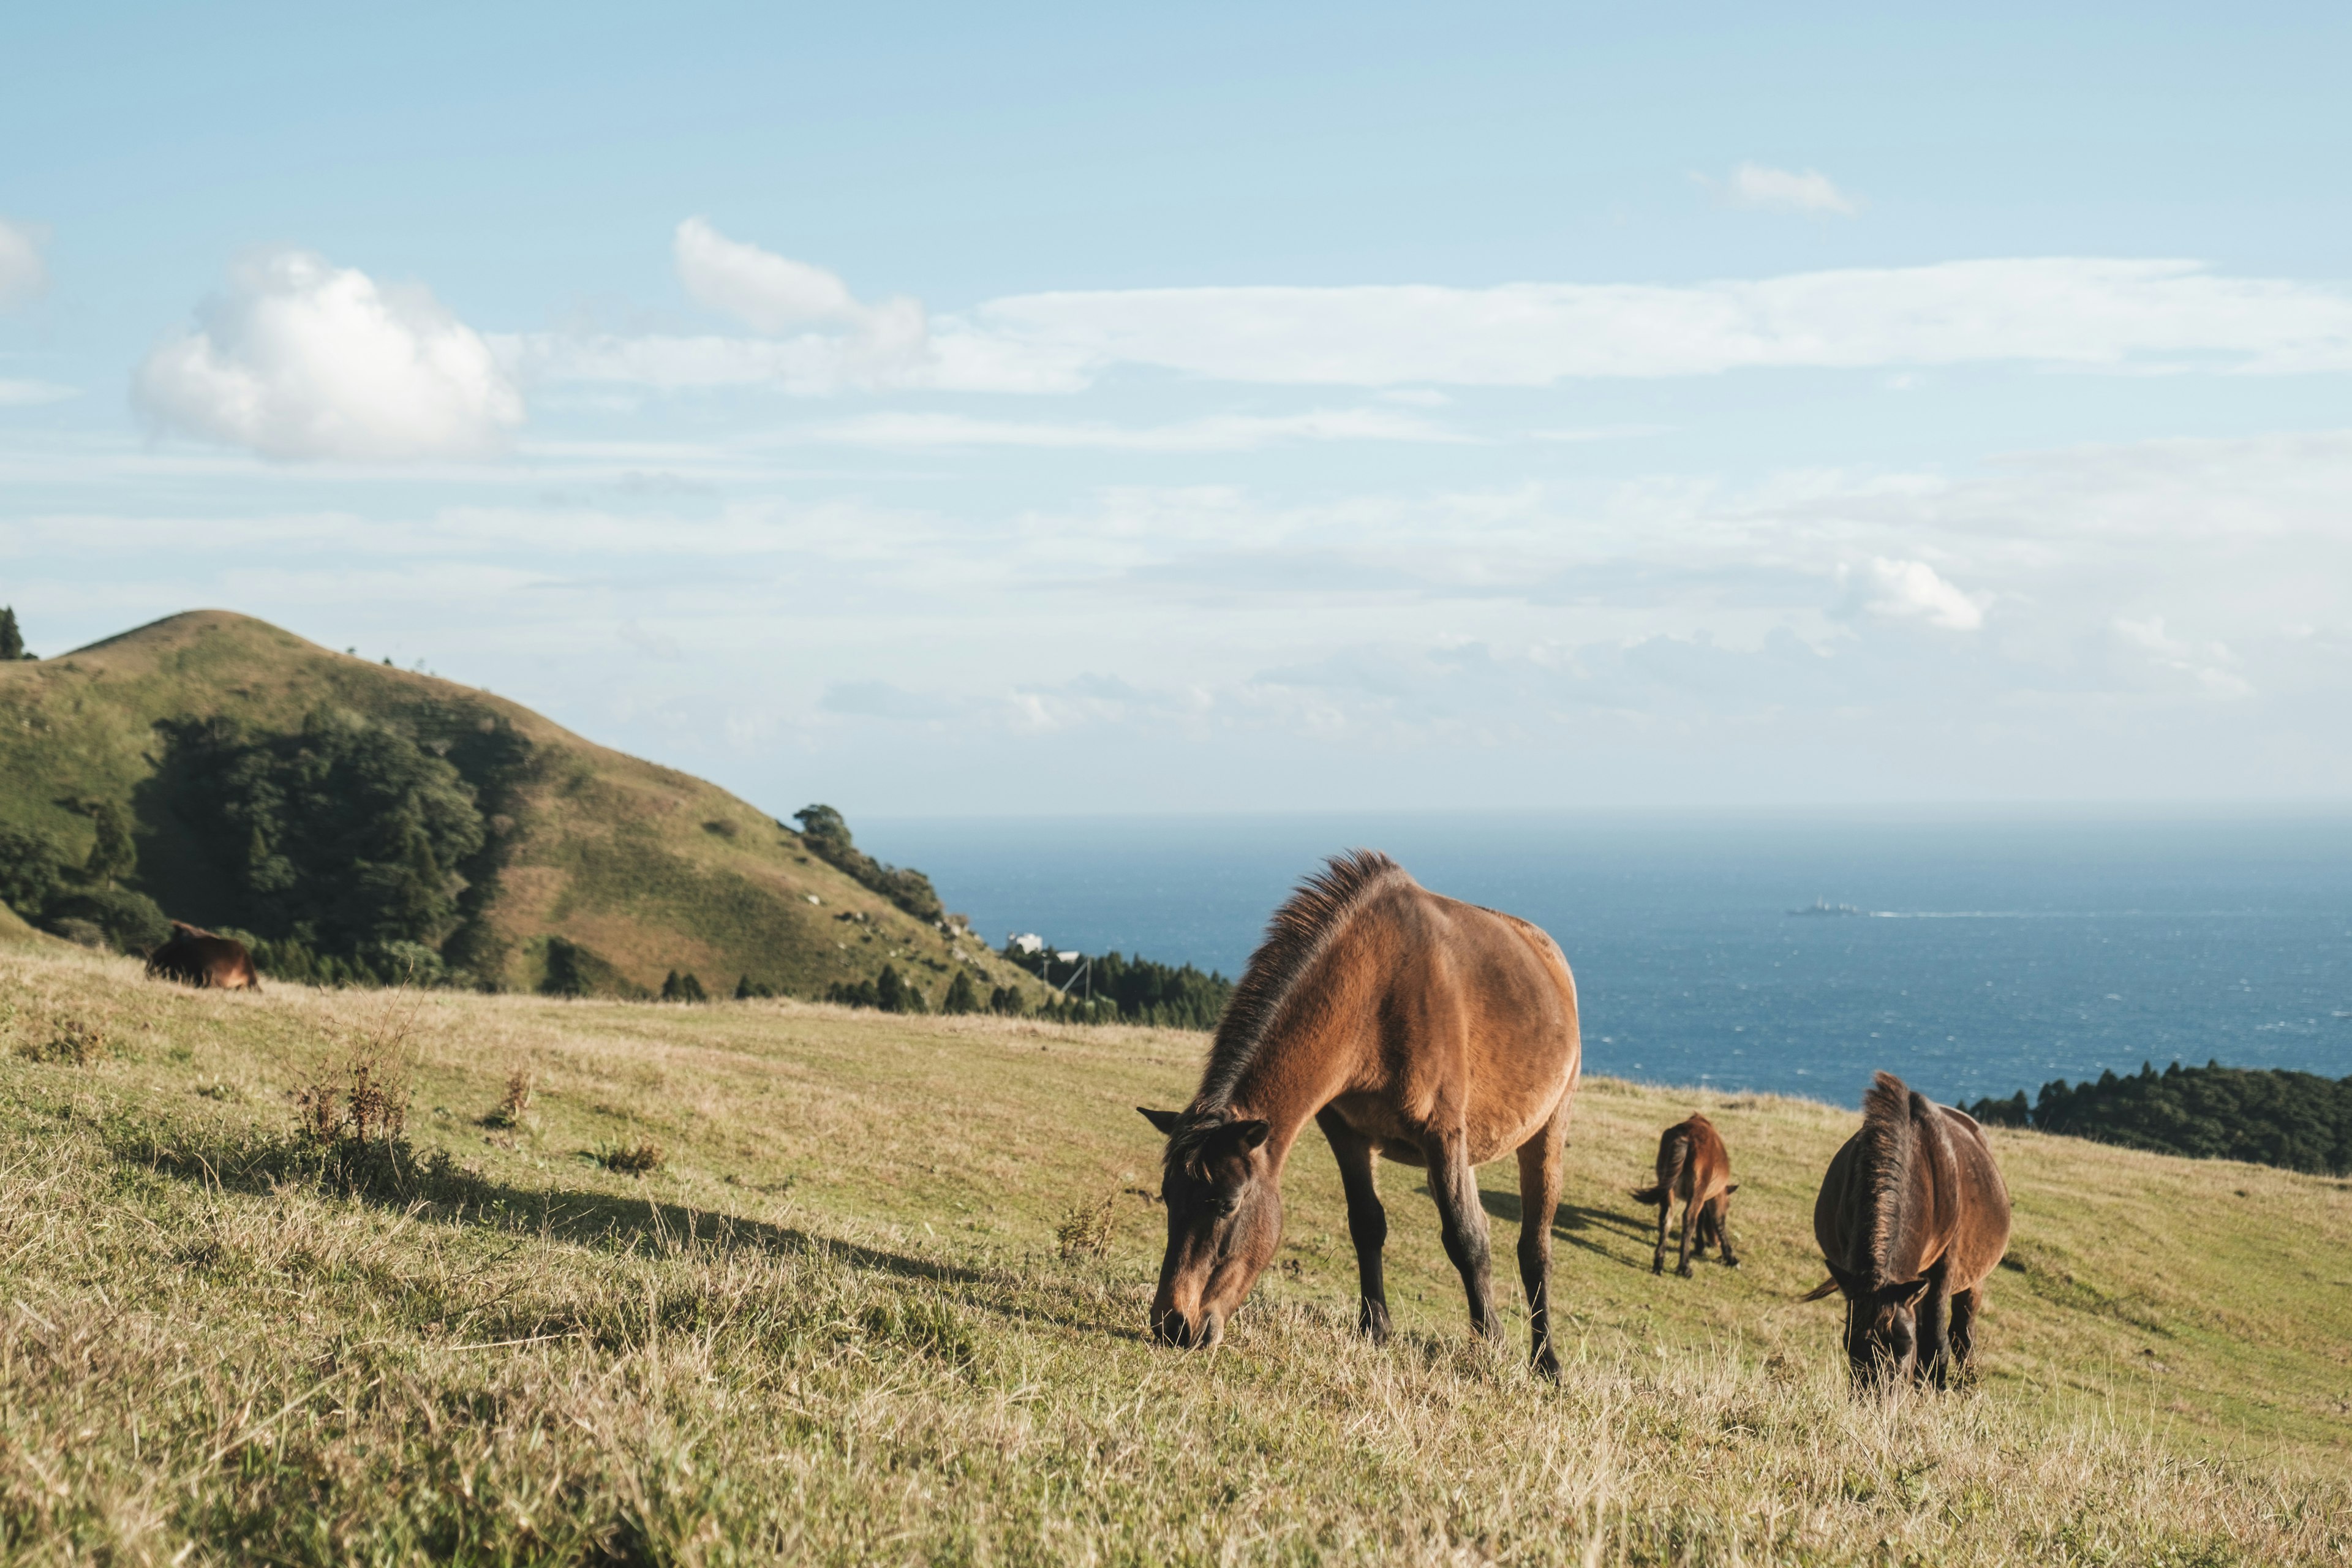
{"points": [[837, 1324]]}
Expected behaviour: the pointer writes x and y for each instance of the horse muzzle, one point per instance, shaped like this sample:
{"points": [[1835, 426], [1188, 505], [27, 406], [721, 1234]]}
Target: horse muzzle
{"points": [[1173, 1328]]}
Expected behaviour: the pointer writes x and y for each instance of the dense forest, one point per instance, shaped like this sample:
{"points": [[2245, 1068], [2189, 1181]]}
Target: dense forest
{"points": [[360, 852], [2264, 1115], [1119, 989]]}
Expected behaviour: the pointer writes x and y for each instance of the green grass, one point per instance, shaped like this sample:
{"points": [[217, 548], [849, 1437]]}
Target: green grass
{"points": [[835, 1324], [650, 868]]}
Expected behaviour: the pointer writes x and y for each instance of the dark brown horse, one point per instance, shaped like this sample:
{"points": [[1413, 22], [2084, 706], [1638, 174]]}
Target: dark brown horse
{"points": [[1405, 1025], [198, 958], [1694, 1166], [1911, 1217]]}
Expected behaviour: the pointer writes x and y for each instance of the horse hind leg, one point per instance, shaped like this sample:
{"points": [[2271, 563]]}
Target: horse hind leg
{"points": [[1718, 1221], [1368, 1223], [1463, 1222], [1540, 1183], [1691, 1222]]}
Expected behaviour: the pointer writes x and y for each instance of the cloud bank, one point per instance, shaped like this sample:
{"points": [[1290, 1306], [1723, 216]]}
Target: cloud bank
{"points": [[2059, 311], [296, 358]]}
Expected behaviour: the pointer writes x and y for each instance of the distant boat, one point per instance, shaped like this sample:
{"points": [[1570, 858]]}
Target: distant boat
{"points": [[1824, 907]]}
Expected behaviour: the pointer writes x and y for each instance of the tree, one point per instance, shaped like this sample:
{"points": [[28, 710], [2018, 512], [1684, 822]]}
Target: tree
{"points": [[689, 989], [744, 992], [826, 836], [961, 997], [889, 991], [31, 871], [112, 855], [12, 639], [671, 990]]}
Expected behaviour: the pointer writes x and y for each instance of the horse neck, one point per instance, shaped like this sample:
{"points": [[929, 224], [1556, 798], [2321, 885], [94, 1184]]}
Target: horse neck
{"points": [[1300, 1065]]}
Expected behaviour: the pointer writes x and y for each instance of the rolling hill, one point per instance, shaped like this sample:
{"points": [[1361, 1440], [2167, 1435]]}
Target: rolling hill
{"points": [[646, 869], [878, 1296]]}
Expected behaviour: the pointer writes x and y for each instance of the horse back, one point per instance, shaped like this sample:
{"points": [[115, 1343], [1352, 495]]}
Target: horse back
{"points": [[1470, 1020]]}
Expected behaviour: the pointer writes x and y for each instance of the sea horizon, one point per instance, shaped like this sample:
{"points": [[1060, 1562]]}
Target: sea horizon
{"points": [[1990, 949]]}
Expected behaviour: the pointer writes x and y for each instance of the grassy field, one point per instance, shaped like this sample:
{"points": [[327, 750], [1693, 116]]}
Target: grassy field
{"points": [[835, 1324], [650, 868]]}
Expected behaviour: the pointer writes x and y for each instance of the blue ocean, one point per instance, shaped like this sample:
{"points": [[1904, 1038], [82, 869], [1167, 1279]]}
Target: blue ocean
{"points": [[1984, 954]]}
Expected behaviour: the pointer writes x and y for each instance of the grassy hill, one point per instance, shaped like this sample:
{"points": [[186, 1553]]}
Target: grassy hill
{"points": [[647, 868], [835, 1324]]}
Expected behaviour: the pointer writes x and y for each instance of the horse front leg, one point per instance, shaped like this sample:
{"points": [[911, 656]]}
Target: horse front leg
{"points": [[1936, 1332], [1368, 1222], [1463, 1221], [1964, 1333], [1539, 1182]]}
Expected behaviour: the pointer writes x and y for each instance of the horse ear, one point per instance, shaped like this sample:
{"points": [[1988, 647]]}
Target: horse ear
{"points": [[1905, 1295], [1252, 1133], [1839, 1279], [1731, 1189], [1826, 1287], [1166, 1121]]}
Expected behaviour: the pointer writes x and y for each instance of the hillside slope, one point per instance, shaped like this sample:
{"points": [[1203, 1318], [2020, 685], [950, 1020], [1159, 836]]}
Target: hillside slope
{"points": [[649, 869], [835, 1324]]}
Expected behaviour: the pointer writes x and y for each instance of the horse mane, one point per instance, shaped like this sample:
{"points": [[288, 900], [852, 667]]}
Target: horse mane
{"points": [[1890, 1142], [1294, 939]]}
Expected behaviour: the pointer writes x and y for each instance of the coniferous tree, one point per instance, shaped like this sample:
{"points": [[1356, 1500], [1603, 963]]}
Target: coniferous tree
{"points": [[889, 991], [961, 997], [671, 990], [12, 641], [744, 992], [689, 989]]}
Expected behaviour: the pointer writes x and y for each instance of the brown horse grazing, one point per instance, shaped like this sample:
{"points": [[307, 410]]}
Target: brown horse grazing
{"points": [[1911, 1217], [1694, 1166], [1404, 1025], [198, 958]]}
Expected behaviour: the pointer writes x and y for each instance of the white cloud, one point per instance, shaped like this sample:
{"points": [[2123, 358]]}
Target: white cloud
{"points": [[1216, 433], [1911, 591], [2049, 311], [24, 394], [1764, 188], [298, 358], [22, 273], [775, 295], [2073, 311]]}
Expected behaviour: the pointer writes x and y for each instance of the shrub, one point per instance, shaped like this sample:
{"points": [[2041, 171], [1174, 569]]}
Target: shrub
{"points": [[128, 922], [1085, 1229], [515, 1108], [629, 1159]]}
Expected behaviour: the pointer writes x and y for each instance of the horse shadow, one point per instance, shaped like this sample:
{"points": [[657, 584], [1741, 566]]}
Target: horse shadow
{"points": [[1578, 1225], [583, 1217]]}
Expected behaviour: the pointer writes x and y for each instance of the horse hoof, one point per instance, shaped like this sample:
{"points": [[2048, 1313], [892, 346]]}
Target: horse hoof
{"points": [[1547, 1367], [1685, 1271], [1657, 1266], [1731, 1263]]}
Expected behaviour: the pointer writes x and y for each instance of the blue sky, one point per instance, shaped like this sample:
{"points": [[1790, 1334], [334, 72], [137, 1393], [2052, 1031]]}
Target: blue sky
{"points": [[1058, 410]]}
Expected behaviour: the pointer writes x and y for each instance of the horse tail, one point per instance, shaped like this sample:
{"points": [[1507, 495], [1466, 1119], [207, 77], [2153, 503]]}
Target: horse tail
{"points": [[1673, 1155]]}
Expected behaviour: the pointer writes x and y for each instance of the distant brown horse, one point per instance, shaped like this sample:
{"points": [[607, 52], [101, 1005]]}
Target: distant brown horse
{"points": [[1404, 1025], [1694, 1166], [1911, 1217], [198, 958]]}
